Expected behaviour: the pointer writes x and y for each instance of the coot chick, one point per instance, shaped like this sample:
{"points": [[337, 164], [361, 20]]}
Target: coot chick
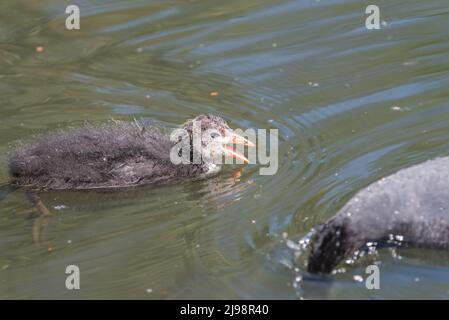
{"points": [[118, 155], [409, 207]]}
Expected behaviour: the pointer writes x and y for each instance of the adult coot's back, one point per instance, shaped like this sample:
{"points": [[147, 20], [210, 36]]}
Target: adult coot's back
{"points": [[409, 207]]}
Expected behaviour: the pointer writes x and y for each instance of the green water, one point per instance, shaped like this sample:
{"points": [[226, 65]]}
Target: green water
{"points": [[351, 105]]}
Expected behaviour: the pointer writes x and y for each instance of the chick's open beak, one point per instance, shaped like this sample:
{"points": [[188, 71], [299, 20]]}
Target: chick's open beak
{"points": [[237, 139], [230, 151]]}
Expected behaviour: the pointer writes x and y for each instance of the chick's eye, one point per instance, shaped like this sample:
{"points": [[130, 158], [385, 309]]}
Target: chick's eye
{"points": [[214, 135]]}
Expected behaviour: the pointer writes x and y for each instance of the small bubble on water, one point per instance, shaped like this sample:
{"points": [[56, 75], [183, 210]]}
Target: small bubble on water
{"points": [[408, 63], [340, 270], [292, 245], [399, 109]]}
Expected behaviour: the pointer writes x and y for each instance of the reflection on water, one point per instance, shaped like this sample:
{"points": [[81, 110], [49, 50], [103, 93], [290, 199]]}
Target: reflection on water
{"points": [[351, 106]]}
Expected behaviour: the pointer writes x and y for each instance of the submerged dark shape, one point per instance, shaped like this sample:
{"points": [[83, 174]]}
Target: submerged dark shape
{"points": [[119, 154], [410, 207]]}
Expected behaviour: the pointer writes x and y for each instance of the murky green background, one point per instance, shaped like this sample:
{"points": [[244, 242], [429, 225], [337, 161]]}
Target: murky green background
{"points": [[351, 106]]}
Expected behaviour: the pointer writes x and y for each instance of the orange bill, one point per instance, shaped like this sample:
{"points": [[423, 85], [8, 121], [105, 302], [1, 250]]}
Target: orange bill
{"points": [[230, 151], [237, 139]]}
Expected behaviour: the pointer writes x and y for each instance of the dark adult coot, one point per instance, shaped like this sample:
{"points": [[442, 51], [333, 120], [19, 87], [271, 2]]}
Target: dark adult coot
{"points": [[410, 207], [118, 155]]}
